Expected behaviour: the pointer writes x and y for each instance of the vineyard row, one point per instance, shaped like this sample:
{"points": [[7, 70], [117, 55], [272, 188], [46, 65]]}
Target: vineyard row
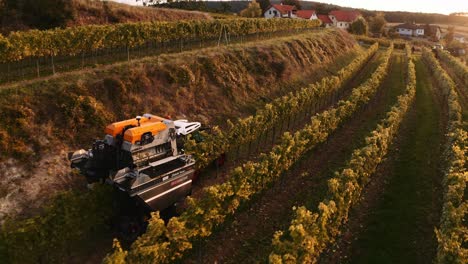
{"points": [[311, 232], [165, 243], [78, 40], [453, 232], [461, 70]]}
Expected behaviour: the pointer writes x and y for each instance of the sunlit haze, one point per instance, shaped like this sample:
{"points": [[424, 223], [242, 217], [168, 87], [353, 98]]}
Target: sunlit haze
{"points": [[427, 6]]}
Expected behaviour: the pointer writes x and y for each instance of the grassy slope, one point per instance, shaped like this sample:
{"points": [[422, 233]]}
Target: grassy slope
{"points": [[400, 229]]}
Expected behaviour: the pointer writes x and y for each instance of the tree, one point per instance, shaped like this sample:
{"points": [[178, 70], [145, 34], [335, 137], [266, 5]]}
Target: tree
{"points": [[225, 7], [42, 14], [359, 27], [393, 34], [322, 8], [264, 4], [293, 3], [149, 2], [252, 10], [377, 23]]}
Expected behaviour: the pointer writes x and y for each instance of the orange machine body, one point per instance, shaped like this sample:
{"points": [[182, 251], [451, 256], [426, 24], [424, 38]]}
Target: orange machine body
{"points": [[134, 134], [116, 128]]}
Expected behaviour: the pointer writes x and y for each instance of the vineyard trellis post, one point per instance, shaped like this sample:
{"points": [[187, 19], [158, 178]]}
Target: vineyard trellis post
{"points": [[225, 33], [128, 53], [8, 71], [37, 68], [273, 137], [53, 64]]}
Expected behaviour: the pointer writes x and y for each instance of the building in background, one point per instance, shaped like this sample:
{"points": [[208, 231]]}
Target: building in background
{"points": [[343, 18], [281, 11], [410, 30], [307, 14], [326, 21], [339, 18]]}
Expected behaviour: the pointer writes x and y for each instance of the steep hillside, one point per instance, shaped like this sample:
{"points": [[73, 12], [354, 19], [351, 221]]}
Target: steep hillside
{"points": [[45, 14], [42, 120]]}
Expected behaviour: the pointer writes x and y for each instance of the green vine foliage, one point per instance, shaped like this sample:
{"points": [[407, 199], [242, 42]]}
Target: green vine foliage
{"points": [[163, 244], [54, 234], [311, 232], [460, 68], [452, 235], [77, 40]]}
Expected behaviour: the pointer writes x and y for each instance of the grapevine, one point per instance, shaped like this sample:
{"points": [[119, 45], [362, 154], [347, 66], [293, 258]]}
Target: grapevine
{"points": [[452, 235], [76, 40], [461, 70], [311, 232]]}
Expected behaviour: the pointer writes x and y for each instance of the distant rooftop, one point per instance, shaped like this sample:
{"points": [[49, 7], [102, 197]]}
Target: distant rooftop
{"points": [[345, 16]]}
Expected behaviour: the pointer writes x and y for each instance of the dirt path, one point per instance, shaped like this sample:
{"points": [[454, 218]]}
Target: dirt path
{"points": [[395, 220], [247, 237]]}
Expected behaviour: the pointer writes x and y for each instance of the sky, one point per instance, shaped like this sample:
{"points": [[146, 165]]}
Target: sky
{"points": [[425, 6]]}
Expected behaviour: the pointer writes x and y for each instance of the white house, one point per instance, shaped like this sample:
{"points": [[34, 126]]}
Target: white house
{"points": [[281, 11], [410, 30], [343, 19], [306, 14]]}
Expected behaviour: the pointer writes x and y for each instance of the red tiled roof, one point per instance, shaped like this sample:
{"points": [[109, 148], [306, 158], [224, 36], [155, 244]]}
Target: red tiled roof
{"points": [[325, 19], [284, 9], [305, 13], [345, 16]]}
